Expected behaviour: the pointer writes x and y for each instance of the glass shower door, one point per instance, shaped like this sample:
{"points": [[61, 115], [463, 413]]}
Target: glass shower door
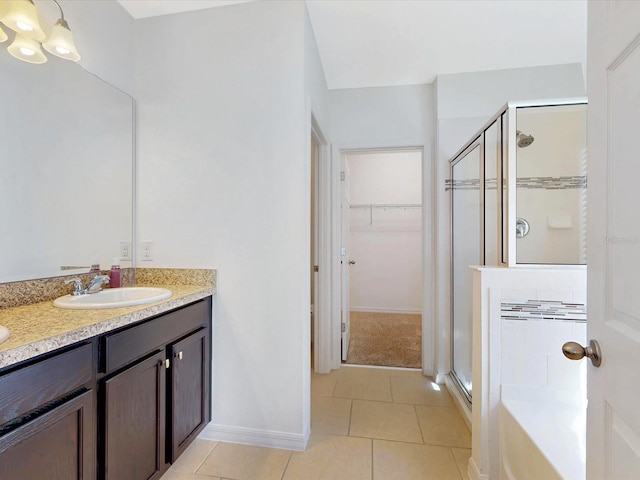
{"points": [[467, 250]]}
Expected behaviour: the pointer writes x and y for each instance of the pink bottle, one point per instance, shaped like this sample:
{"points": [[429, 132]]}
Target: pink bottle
{"points": [[114, 273]]}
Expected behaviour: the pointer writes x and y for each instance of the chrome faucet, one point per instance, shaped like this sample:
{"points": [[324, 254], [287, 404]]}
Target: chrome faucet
{"points": [[94, 286]]}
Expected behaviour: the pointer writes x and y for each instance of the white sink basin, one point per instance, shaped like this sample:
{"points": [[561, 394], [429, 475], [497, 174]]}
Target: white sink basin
{"points": [[114, 298], [4, 333]]}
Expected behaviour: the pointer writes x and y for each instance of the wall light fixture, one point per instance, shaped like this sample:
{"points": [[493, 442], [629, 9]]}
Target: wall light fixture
{"points": [[21, 16]]}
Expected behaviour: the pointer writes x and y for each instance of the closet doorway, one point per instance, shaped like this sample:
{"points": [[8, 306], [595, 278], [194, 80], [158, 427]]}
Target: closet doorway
{"points": [[382, 233]]}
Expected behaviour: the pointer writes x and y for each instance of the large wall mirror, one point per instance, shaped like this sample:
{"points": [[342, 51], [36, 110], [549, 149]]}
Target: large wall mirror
{"points": [[66, 157]]}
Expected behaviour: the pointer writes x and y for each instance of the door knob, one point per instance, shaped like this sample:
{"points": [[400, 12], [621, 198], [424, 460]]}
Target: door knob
{"points": [[575, 351], [352, 262]]}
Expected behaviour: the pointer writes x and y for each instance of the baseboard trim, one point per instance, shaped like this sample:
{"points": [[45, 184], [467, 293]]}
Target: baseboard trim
{"points": [[386, 310], [474, 472], [255, 437]]}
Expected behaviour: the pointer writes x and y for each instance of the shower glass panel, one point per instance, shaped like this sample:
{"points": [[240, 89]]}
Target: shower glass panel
{"points": [[466, 226], [551, 148], [492, 213]]}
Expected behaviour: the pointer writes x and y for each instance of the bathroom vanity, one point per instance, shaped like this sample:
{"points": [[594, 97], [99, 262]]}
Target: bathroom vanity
{"points": [[119, 405]]}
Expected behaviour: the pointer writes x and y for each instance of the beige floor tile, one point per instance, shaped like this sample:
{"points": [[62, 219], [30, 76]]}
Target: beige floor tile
{"points": [[387, 421], [330, 457], [330, 415], [193, 456], [462, 459], [323, 385], [443, 426], [419, 391], [363, 386], [171, 475], [406, 461], [244, 462], [384, 372]]}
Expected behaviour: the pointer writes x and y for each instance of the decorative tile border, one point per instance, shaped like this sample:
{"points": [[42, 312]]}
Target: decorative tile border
{"points": [[472, 184], [553, 183], [530, 183], [544, 310]]}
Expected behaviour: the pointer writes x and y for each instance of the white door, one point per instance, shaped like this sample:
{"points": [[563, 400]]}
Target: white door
{"points": [[315, 284], [613, 255], [345, 263]]}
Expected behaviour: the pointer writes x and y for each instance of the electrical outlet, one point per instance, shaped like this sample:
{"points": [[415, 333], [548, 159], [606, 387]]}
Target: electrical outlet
{"points": [[125, 250], [147, 251]]}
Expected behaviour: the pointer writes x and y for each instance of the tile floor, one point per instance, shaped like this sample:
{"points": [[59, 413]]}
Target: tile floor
{"points": [[366, 423]]}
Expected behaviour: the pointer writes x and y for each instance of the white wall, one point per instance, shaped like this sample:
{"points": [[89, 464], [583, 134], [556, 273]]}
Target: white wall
{"points": [[384, 117], [224, 182], [104, 33], [464, 103], [386, 244]]}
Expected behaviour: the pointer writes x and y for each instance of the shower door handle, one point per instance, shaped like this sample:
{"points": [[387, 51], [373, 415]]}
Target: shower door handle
{"points": [[575, 351]]}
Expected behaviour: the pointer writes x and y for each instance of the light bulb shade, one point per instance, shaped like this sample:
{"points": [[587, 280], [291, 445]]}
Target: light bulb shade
{"points": [[26, 49], [3, 35], [21, 17], [60, 42]]}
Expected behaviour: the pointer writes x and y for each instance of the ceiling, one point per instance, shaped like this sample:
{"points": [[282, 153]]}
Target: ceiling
{"points": [[372, 43]]}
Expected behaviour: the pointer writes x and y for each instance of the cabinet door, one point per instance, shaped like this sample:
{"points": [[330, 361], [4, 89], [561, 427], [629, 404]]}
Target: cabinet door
{"points": [[189, 391], [58, 445], [135, 421]]}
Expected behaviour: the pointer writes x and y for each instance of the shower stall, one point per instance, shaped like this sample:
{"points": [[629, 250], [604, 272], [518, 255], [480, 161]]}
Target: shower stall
{"points": [[518, 197]]}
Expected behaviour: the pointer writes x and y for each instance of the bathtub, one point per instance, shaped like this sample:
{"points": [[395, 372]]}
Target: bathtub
{"points": [[542, 434]]}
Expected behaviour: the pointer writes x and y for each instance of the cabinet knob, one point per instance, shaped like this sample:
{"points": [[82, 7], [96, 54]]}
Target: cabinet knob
{"points": [[179, 355], [167, 363]]}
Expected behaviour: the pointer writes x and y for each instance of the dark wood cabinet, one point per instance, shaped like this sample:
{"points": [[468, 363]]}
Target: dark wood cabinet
{"points": [[188, 390], [155, 393], [57, 445], [135, 421], [119, 406], [47, 417]]}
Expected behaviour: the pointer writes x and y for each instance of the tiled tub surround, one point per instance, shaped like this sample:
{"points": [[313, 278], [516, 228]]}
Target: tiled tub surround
{"points": [[40, 327], [524, 351], [531, 342], [543, 394]]}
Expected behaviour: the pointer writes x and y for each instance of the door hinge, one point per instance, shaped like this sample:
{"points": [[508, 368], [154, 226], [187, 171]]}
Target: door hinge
{"points": [[343, 176], [344, 327], [315, 268]]}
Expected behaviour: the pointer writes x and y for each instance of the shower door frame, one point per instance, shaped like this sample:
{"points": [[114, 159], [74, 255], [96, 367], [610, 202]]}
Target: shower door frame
{"points": [[478, 142]]}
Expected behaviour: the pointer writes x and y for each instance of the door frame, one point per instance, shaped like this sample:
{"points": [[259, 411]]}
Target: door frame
{"points": [[323, 305], [428, 312]]}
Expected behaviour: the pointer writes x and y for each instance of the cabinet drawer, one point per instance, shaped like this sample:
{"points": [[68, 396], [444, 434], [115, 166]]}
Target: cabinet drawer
{"points": [[35, 385], [124, 347]]}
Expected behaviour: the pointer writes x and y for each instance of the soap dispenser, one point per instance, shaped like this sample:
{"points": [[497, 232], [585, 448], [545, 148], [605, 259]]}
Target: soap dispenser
{"points": [[114, 273]]}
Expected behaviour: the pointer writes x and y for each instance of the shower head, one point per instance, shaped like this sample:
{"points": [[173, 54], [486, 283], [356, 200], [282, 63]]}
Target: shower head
{"points": [[523, 139]]}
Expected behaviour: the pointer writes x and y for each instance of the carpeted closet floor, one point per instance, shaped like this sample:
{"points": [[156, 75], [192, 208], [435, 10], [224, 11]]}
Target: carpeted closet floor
{"points": [[385, 339]]}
